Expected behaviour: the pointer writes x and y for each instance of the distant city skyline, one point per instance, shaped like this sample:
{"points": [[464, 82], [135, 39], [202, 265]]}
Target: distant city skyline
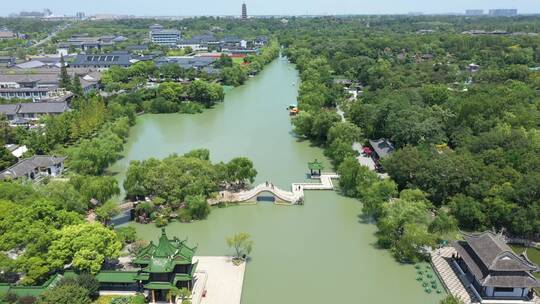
{"points": [[264, 7]]}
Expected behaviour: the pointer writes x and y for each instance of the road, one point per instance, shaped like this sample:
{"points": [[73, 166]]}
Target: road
{"points": [[51, 35]]}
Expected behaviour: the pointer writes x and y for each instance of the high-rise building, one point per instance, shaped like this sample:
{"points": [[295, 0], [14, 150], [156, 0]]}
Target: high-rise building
{"points": [[503, 12], [474, 12], [244, 11]]}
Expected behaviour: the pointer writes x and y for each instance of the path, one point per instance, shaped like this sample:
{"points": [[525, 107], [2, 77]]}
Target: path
{"points": [[295, 196], [222, 280], [452, 279], [361, 158], [51, 35]]}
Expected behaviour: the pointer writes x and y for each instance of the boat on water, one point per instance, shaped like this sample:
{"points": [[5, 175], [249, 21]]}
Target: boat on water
{"points": [[293, 109]]}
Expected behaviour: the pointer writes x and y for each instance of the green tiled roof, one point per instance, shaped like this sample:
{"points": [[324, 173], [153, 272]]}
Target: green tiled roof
{"points": [[143, 276], [194, 268], [117, 276], [34, 291], [181, 277], [159, 265], [4, 288], [159, 285], [164, 256], [315, 165]]}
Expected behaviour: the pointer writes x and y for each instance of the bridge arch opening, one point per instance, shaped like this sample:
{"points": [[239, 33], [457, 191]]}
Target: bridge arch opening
{"points": [[266, 196]]}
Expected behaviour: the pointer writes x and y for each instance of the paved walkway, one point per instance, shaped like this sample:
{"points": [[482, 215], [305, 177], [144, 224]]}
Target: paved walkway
{"points": [[222, 281], [454, 281], [361, 158], [295, 196]]}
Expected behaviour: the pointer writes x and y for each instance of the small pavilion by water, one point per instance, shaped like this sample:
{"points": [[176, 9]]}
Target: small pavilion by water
{"points": [[315, 168]]}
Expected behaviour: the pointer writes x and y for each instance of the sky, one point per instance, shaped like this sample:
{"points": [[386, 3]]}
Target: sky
{"points": [[262, 7]]}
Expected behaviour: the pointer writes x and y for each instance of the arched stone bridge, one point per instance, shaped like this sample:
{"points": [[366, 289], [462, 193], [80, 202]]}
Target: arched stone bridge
{"points": [[295, 196]]}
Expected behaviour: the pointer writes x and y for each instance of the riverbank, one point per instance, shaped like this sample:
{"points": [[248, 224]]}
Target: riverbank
{"points": [[322, 252]]}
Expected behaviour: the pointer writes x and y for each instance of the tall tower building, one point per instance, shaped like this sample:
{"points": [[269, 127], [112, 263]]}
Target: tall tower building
{"points": [[244, 11]]}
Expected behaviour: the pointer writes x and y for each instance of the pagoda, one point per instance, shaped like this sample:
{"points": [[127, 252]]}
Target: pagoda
{"points": [[163, 266]]}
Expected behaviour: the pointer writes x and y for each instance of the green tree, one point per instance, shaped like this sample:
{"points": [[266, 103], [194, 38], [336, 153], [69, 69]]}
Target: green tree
{"points": [[171, 91], [403, 228], [100, 188], [76, 86], [65, 294], [197, 206], [443, 223], [184, 294], [241, 243], [205, 93], [468, 212], [65, 81], [90, 283], [233, 76], [84, 246], [224, 61], [202, 154], [106, 212], [240, 170], [376, 195], [6, 158], [126, 235], [450, 299], [64, 196], [348, 174]]}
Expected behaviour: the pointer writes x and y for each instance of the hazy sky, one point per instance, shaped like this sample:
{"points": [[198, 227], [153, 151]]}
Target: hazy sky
{"points": [[262, 7]]}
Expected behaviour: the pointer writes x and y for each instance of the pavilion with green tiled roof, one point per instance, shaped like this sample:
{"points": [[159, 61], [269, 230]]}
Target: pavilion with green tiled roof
{"points": [[164, 266], [315, 167]]}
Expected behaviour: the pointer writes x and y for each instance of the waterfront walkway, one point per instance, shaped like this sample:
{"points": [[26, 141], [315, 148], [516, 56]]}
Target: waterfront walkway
{"points": [[218, 281], [455, 282], [356, 146], [295, 196]]}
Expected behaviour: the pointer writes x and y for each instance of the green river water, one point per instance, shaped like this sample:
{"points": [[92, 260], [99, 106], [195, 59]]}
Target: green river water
{"points": [[317, 253]]}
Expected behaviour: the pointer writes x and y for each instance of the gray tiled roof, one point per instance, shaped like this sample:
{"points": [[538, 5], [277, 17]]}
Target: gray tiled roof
{"points": [[11, 147], [28, 165], [187, 62], [166, 32], [493, 263], [102, 59], [43, 107], [199, 39], [231, 39], [9, 109], [382, 147], [41, 78], [22, 90], [495, 253]]}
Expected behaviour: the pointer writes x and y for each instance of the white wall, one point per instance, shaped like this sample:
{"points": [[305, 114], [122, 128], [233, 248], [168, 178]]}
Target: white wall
{"points": [[490, 291]]}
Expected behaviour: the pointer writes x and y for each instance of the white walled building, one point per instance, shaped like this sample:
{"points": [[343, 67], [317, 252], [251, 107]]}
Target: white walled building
{"points": [[495, 271]]}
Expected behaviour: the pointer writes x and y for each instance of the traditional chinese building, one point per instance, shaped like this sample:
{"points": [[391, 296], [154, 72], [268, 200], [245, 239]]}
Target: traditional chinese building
{"points": [[494, 270], [163, 266], [315, 168]]}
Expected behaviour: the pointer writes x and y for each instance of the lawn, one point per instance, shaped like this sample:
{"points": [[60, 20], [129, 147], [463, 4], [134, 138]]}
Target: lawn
{"points": [[533, 254], [238, 60]]}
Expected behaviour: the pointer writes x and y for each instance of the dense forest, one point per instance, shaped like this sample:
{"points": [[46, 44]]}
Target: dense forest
{"points": [[467, 140]]}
